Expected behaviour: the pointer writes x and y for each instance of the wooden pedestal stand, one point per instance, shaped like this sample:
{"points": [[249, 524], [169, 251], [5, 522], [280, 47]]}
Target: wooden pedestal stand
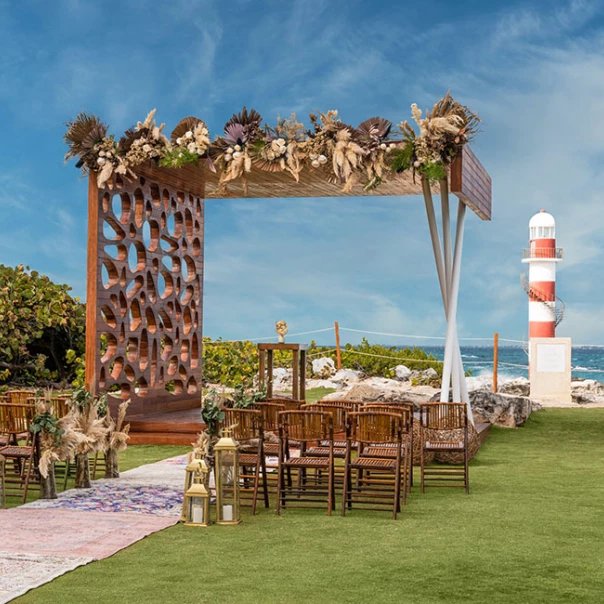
{"points": [[265, 355]]}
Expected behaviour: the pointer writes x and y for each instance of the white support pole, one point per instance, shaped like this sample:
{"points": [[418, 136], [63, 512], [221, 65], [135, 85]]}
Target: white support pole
{"points": [[448, 252], [451, 345], [440, 269], [438, 258]]}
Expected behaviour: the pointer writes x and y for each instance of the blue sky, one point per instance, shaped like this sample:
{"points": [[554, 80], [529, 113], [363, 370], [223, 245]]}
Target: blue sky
{"points": [[534, 71]]}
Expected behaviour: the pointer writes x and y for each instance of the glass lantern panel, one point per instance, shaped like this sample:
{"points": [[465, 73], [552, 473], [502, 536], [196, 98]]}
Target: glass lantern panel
{"points": [[196, 510]]}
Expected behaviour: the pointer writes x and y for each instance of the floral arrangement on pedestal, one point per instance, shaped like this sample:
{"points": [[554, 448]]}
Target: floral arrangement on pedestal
{"points": [[347, 155]]}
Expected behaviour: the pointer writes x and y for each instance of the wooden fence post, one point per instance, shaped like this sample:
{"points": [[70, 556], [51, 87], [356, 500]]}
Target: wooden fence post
{"points": [[338, 351], [495, 359]]}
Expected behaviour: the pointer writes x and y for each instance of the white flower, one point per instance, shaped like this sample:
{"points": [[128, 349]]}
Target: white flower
{"points": [[322, 159], [101, 161], [189, 134], [315, 163], [101, 154], [180, 155], [416, 164], [391, 146], [281, 142], [313, 156], [383, 146], [237, 148], [230, 150], [179, 141], [146, 148], [228, 157], [191, 147], [237, 153]]}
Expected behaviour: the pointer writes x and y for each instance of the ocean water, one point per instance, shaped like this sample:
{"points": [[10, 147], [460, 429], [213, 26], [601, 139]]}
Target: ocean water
{"points": [[587, 361]]}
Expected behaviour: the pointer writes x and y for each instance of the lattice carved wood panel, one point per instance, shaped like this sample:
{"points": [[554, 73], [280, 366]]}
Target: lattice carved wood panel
{"points": [[149, 293]]}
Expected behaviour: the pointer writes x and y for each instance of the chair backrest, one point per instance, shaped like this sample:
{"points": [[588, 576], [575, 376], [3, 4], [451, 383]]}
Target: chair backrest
{"points": [[5, 422], [61, 406], [350, 405], [443, 416], [305, 426], [19, 417], [270, 414], [291, 404], [376, 427], [19, 397], [337, 410], [245, 423], [405, 410]]}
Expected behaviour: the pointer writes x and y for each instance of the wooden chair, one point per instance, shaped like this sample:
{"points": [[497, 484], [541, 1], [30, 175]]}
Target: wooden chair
{"points": [[305, 427], [406, 411], [270, 424], [247, 431], [16, 419], [372, 485], [338, 413], [436, 420]]}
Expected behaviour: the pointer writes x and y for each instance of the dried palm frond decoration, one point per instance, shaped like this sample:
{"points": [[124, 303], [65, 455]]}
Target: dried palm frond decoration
{"points": [[279, 149], [189, 141], [367, 154], [442, 134]]}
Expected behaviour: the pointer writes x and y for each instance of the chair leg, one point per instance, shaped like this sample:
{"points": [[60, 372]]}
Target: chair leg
{"points": [[256, 485], [411, 463], [422, 470], [265, 483], [345, 486], [279, 487], [330, 492], [27, 478], [466, 475], [397, 491]]}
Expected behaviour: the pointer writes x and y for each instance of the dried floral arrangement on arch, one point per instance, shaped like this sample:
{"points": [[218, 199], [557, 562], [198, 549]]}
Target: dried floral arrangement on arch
{"points": [[365, 154]]}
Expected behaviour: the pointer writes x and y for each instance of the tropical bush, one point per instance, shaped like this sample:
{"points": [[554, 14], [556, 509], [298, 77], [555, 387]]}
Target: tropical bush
{"points": [[41, 328], [236, 363]]}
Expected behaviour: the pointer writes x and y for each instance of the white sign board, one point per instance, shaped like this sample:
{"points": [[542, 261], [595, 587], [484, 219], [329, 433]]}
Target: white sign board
{"points": [[551, 358]]}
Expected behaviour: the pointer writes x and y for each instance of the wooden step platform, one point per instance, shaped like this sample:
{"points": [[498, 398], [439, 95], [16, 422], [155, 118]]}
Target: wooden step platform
{"points": [[169, 428]]}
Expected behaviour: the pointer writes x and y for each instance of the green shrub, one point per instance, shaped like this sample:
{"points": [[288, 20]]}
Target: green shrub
{"points": [[236, 363]]}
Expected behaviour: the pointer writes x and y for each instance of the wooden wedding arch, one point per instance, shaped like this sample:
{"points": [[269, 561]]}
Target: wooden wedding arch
{"points": [[144, 320]]}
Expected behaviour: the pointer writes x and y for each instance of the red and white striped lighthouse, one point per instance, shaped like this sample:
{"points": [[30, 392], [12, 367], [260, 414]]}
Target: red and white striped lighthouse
{"points": [[542, 257]]}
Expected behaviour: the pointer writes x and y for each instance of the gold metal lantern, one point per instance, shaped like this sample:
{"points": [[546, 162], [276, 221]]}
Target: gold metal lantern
{"points": [[197, 504], [194, 468], [226, 469]]}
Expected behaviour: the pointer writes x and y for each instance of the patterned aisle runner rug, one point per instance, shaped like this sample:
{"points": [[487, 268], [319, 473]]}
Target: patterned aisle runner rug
{"points": [[47, 538], [21, 572]]}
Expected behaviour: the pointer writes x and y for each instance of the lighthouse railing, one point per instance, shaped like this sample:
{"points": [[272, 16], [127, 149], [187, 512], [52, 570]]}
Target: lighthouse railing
{"points": [[543, 252]]}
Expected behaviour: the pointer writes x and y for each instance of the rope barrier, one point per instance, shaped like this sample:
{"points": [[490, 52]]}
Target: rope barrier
{"points": [[381, 356], [406, 335], [300, 333]]}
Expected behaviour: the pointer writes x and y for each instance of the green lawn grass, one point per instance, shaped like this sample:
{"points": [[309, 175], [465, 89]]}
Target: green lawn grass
{"points": [[531, 531]]}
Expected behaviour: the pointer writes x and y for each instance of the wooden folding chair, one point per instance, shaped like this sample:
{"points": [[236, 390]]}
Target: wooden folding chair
{"points": [[23, 456], [374, 428], [406, 410], [338, 413], [246, 425], [441, 424], [270, 424], [305, 427]]}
